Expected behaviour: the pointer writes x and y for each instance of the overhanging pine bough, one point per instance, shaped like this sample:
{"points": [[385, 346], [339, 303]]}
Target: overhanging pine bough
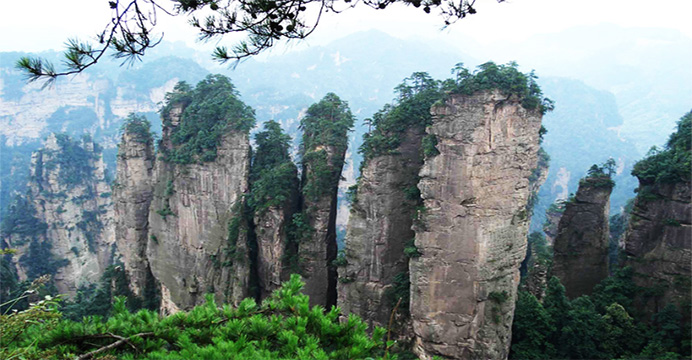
{"points": [[131, 30]]}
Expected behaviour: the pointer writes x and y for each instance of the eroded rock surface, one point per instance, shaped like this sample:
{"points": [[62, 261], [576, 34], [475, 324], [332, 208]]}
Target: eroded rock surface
{"points": [[271, 232], [379, 229], [198, 236], [658, 243], [317, 251], [72, 236], [581, 245], [472, 236], [132, 195]]}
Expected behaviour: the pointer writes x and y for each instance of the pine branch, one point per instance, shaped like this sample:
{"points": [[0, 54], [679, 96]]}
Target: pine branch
{"points": [[120, 342]]}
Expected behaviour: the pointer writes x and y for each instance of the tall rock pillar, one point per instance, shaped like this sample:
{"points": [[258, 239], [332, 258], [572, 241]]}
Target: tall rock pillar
{"points": [[325, 139], [379, 228], [472, 234], [580, 257], [132, 194]]}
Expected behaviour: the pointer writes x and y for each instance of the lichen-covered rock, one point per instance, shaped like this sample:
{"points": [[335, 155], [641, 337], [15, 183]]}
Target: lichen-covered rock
{"points": [[658, 243], [70, 201], [379, 229], [132, 195], [197, 230], [581, 245], [472, 235]]}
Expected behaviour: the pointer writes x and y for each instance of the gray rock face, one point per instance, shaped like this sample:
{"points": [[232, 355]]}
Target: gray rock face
{"points": [[271, 228], [78, 218], [472, 235], [378, 230], [132, 195], [198, 236], [317, 252], [536, 277], [658, 243], [552, 222], [581, 246]]}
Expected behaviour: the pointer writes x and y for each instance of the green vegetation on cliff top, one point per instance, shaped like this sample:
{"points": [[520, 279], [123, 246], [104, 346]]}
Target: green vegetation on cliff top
{"points": [[273, 175], [325, 139], [672, 163], [139, 128], [210, 110]]}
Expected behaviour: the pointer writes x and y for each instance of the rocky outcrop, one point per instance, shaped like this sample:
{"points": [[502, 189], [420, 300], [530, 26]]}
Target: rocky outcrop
{"points": [[132, 195], [325, 141], [535, 266], [379, 229], [658, 243], [197, 228], [552, 220], [581, 245], [472, 234], [271, 234], [317, 251], [70, 234]]}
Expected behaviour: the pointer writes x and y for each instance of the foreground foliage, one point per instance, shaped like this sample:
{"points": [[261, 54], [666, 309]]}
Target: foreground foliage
{"points": [[282, 327]]}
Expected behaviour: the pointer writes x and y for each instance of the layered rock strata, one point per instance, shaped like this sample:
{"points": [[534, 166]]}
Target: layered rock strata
{"points": [[197, 229], [132, 195], [379, 229], [581, 246], [472, 234]]}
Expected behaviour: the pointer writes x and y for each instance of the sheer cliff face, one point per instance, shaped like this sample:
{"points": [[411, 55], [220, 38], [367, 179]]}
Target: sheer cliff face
{"points": [[72, 198], [658, 243], [132, 194], [581, 246], [317, 252], [472, 235], [197, 231], [271, 231], [379, 228]]}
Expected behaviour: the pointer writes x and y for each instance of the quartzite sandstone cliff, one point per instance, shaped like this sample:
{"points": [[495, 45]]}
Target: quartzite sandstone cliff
{"points": [[581, 246], [658, 243], [472, 236], [132, 195], [191, 248], [71, 198], [379, 228], [271, 233], [317, 251]]}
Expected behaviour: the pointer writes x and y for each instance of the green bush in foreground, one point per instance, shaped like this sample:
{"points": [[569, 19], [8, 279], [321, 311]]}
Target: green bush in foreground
{"points": [[282, 327]]}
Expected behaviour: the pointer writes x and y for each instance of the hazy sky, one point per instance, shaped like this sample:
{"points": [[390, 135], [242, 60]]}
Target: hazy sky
{"points": [[46, 24]]}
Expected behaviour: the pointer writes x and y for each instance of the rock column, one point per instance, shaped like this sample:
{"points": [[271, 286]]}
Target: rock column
{"points": [[472, 234]]}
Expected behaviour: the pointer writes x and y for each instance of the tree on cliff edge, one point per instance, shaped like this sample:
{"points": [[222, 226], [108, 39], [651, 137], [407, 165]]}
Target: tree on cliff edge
{"points": [[131, 30]]}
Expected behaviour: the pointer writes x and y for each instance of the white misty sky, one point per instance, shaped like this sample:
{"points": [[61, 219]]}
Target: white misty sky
{"points": [[45, 24]]}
